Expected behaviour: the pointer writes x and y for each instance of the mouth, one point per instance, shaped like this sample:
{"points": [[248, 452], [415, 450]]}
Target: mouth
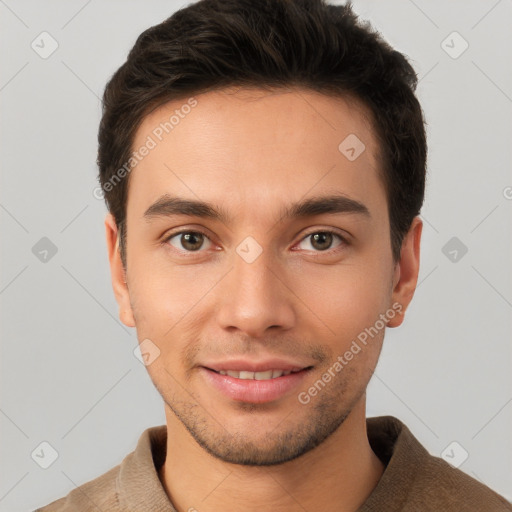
{"points": [[259, 385]]}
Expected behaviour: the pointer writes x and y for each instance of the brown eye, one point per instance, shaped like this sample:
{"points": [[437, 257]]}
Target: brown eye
{"points": [[189, 241], [321, 241]]}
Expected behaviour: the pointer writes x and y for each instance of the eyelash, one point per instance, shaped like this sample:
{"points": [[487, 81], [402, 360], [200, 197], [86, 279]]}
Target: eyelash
{"points": [[342, 245]]}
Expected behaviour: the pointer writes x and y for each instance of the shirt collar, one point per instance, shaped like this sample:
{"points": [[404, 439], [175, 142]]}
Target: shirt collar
{"points": [[138, 484]]}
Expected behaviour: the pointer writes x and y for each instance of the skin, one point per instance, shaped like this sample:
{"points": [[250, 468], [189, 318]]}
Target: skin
{"points": [[252, 153]]}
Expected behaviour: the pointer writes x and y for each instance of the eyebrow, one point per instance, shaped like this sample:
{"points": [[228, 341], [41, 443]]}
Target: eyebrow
{"points": [[167, 206]]}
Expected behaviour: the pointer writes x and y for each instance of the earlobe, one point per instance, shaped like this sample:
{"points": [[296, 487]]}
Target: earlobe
{"points": [[117, 272], [406, 272]]}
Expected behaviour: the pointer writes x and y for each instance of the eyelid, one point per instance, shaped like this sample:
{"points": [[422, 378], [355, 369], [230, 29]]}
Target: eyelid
{"points": [[344, 238], [341, 235], [172, 234]]}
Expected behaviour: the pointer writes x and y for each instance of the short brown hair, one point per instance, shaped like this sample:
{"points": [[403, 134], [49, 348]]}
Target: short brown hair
{"points": [[214, 44]]}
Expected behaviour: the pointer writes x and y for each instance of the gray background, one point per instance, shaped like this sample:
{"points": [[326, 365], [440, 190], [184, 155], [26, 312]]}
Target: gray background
{"points": [[68, 373]]}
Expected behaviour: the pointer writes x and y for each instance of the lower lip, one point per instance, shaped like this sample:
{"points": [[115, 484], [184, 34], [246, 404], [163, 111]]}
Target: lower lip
{"points": [[254, 391]]}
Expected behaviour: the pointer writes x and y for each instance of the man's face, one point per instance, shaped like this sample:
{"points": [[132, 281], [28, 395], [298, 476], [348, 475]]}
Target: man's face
{"points": [[257, 290]]}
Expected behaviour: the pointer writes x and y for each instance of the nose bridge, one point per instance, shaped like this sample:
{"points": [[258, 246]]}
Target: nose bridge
{"points": [[253, 297]]}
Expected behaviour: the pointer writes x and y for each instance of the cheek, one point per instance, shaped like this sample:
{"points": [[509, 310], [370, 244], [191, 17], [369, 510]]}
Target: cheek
{"points": [[166, 292], [168, 304], [347, 298]]}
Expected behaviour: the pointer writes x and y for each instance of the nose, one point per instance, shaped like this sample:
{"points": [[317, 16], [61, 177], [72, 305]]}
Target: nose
{"points": [[255, 297]]}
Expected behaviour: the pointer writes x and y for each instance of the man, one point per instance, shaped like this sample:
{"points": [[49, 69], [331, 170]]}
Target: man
{"points": [[264, 168]]}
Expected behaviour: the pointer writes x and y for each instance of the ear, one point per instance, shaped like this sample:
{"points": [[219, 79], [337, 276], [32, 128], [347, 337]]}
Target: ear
{"points": [[117, 272], [406, 271]]}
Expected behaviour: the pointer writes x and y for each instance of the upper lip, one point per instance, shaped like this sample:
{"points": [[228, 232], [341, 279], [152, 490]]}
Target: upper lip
{"points": [[256, 366]]}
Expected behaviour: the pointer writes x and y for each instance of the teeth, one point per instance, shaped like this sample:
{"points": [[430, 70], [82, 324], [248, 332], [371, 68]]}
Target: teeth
{"points": [[266, 375], [263, 375]]}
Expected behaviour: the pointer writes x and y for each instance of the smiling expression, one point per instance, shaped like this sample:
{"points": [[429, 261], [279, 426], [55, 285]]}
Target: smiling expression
{"points": [[256, 253]]}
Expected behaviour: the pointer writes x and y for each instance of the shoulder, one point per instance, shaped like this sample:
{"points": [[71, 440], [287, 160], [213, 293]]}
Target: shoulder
{"points": [[98, 494], [416, 480], [453, 489], [134, 484]]}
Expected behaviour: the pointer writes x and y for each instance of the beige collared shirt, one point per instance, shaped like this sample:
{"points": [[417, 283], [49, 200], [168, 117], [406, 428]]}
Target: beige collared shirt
{"points": [[413, 481]]}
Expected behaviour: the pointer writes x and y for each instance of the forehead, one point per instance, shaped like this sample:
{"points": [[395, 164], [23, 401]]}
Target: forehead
{"points": [[251, 146]]}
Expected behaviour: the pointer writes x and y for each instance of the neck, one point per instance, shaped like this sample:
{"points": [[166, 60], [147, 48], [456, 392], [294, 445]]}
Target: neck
{"points": [[339, 474]]}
